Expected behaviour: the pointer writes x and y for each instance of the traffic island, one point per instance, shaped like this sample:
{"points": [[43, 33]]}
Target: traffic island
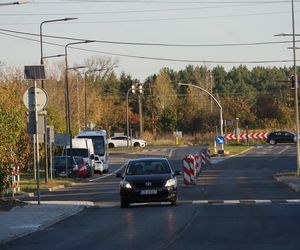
{"points": [[289, 179]]}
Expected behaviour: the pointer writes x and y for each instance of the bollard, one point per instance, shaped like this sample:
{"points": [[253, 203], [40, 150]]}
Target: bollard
{"points": [[198, 163], [207, 157], [186, 171], [203, 162], [189, 170]]}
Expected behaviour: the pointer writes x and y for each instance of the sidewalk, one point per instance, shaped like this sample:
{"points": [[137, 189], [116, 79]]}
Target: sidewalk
{"points": [[20, 221]]}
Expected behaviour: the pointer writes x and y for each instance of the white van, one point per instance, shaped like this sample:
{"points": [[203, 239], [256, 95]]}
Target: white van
{"points": [[100, 144], [83, 147]]}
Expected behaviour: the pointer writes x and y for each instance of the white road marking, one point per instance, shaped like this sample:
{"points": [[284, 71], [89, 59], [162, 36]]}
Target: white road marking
{"points": [[281, 151], [199, 202], [293, 201], [263, 201], [105, 176], [232, 202]]}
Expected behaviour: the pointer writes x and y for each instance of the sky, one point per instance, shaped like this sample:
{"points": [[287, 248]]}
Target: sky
{"points": [[157, 34]]}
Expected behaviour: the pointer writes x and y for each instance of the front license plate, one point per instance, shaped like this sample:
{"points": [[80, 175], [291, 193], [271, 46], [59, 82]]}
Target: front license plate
{"points": [[146, 192]]}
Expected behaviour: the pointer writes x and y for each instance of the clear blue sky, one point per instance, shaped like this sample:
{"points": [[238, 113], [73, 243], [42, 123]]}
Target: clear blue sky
{"points": [[196, 22]]}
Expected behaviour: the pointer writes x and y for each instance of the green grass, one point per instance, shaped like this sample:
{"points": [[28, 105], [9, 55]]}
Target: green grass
{"points": [[29, 184], [231, 149]]}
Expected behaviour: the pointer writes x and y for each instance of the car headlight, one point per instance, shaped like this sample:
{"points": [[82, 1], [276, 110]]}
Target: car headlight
{"points": [[170, 183], [125, 184]]}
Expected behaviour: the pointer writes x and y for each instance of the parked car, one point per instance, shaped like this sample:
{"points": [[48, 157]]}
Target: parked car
{"points": [[67, 166], [148, 180], [99, 166], [121, 141], [281, 137]]}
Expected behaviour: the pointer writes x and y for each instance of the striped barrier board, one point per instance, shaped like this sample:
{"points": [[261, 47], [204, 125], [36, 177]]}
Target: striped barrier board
{"points": [[243, 136]]}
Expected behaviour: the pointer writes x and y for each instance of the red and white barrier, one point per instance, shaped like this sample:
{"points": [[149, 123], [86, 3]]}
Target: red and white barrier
{"points": [[192, 166], [243, 136], [15, 180], [189, 173]]}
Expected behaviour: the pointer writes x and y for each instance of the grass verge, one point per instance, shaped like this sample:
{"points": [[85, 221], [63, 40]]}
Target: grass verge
{"points": [[232, 149], [30, 185]]}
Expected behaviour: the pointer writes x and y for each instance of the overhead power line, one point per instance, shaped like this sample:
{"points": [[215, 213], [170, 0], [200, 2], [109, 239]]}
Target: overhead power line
{"points": [[129, 11], [163, 19], [151, 44], [160, 2], [156, 58]]}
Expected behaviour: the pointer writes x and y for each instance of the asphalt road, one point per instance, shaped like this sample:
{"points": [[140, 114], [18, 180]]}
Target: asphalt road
{"points": [[235, 205]]}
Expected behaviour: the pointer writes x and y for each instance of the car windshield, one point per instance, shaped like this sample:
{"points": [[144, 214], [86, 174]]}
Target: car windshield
{"points": [[83, 152], [61, 161], [148, 167]]}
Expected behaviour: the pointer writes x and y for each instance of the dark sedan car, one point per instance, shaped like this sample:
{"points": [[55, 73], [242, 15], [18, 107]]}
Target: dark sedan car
{"points": [[148, 180], [74, 166], [281, 137]]}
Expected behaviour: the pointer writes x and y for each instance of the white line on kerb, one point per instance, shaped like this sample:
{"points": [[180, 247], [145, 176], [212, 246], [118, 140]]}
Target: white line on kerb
{"points": [[293, 201], [199, 202], [262, 201], [232, 202]]}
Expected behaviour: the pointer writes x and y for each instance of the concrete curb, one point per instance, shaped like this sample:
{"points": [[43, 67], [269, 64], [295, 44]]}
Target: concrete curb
{"points": [[224, 158], [288, 180], [43, 191]]}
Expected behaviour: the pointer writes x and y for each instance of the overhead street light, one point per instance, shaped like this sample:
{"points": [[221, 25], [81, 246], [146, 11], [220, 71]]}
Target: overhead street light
{"points": [[58, 55], [41, 33], [216, 101], [67, 97], [42, 85], [14, 3]]}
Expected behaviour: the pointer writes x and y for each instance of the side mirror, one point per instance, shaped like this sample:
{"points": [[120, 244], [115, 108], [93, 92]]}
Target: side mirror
{"points": [[177, 172], [92, 157], [119, 175]]}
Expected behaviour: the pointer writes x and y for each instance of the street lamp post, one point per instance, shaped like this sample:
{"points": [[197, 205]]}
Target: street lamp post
{"points": [[42, 83], [296, 91], [85, 94], [296, 85], [132, 89], [216, 101], [79, 73], [67, 97], [127, 119]]}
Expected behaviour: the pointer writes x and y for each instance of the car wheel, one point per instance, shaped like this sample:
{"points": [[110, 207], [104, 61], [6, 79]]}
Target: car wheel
{"points": [[124, 204], [136, 144], [272, 142], [111, 145]]}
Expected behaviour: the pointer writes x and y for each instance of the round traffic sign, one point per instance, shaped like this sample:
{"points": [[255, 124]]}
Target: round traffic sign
{"points": [[220, 140], [29, 99]]}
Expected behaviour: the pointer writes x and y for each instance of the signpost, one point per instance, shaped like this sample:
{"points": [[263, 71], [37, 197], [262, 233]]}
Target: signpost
{"points": [[35, 100]]}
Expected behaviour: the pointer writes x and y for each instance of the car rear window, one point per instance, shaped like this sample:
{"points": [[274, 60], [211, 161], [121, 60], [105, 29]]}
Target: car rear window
{"points": [[148, 167]]}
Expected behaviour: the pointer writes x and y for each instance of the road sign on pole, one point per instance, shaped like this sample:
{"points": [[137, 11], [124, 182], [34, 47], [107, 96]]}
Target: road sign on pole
{"points": [[29, 99], [220, 140]]}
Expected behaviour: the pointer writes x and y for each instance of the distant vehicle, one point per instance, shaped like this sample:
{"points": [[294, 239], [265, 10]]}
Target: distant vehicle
{"points": [[67, 166], [148, 180], [99, 139], [121, 141], [281, 137], [83, 147], [99, 166]]}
